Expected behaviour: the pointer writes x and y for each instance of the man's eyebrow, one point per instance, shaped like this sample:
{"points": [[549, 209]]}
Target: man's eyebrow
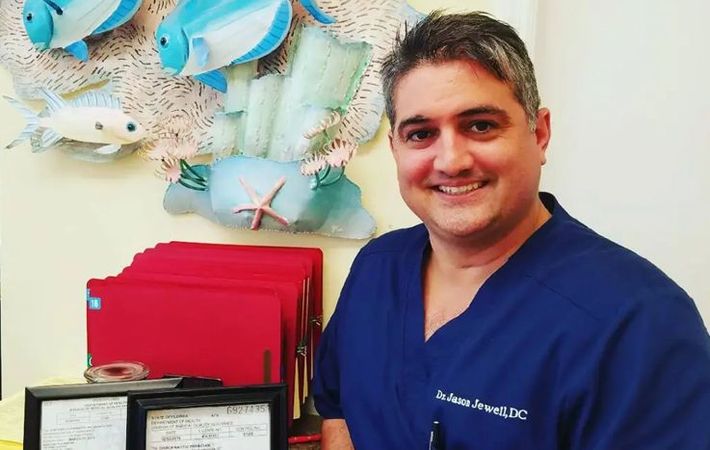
{"points": [[414, 120], [490, 110]]}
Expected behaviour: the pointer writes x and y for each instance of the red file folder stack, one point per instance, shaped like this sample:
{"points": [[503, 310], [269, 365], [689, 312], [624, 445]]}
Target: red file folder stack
{"points": [[244, 314]]}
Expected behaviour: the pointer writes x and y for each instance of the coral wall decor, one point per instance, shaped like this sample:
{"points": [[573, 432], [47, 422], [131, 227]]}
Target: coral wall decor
{"points": [[284, 91]]}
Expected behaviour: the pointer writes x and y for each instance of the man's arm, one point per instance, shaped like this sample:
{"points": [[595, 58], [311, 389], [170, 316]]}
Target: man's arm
{"points": [[335, 435]]}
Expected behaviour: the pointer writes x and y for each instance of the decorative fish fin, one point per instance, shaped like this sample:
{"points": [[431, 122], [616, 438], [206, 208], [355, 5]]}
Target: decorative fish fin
{"points": [[79, 50], [30, 117], [108, 149], [36, 142], [97, 100], [54, 102], [202, 51], [126, 9], [49, 138], [316, 12], [214, 79], [274, 37]]}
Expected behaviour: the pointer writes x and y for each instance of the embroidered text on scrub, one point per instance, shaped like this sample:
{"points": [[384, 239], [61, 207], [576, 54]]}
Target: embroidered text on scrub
{"points": [[507, 412]]}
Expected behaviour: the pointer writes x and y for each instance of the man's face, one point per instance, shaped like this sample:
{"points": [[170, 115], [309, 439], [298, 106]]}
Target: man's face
{"points": [[467, 163]]}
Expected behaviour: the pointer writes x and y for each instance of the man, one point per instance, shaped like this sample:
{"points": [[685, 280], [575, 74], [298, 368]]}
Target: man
{"points": [[501, 318]]}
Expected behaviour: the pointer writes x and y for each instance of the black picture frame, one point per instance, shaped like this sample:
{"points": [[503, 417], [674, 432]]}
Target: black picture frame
{"points": [[36, 396], [141, 403]]}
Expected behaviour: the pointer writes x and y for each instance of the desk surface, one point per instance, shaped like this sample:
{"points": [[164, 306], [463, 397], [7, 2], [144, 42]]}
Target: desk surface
{"points": [[11, 420]]}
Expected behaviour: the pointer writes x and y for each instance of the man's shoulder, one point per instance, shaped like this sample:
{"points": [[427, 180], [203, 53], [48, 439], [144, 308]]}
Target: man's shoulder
{"points": [[604, 278]]}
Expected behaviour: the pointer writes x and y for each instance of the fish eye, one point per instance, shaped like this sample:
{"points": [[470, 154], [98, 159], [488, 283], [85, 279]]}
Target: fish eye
{"points": [[29, 17], [99, 126], [163, 41], [131, 127]]}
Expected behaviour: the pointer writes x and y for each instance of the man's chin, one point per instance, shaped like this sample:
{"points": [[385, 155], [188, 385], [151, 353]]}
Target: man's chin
{"points": [[458, 227]]}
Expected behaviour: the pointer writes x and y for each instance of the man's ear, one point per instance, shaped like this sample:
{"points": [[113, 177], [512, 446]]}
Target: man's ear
{"points": [[543, 133]]}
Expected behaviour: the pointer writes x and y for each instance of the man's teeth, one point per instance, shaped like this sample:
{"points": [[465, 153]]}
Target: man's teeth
{"points": [[458, 190]]}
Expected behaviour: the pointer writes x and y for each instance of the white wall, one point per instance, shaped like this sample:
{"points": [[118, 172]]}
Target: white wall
{"points": [[628, 83]]}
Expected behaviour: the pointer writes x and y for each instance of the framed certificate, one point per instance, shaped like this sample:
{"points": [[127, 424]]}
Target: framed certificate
{"points": [[82, 416], [229, 418]]}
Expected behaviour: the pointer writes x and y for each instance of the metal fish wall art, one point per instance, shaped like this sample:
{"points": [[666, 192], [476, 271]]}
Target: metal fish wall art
{"points": [[66, 23], [200, 37]]}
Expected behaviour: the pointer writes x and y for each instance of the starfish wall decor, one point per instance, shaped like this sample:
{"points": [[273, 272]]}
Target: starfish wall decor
{"points": [[262, 205]]}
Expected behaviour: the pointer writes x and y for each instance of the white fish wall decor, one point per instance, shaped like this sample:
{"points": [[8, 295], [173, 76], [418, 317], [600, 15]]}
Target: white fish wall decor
{"points": [[94, 118]]}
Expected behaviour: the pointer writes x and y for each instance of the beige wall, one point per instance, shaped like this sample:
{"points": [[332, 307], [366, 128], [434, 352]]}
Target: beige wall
{"points": [[65, 221]]}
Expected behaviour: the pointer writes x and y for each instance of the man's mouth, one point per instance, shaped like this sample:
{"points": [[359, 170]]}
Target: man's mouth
{"points": [[461, 190]]}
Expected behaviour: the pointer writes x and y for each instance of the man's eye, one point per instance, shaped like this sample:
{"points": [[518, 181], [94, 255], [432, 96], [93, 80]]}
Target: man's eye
{"points": [[418, 135], [481, 127]]}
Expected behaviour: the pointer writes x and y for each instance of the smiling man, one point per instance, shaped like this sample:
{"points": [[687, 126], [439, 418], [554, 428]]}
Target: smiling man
{"points": [[500, 322]]}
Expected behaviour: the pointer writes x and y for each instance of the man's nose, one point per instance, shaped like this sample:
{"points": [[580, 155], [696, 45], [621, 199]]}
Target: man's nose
{"points": [[453, 155]]}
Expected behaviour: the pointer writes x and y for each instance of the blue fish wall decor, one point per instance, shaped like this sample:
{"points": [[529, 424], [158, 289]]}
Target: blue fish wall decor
{"points": [[66, 23], [201, 36]]}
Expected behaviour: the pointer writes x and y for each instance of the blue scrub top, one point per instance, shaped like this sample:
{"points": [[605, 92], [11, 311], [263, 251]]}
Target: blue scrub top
{"points": [[575, 343]]}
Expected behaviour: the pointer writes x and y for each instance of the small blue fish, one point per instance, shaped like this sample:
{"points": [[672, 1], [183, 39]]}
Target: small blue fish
{"points": [[65, 23], [201, 36]]}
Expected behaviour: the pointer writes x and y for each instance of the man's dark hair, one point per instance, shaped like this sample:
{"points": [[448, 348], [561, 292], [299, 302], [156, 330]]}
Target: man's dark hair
{"points": [[476, 36]]}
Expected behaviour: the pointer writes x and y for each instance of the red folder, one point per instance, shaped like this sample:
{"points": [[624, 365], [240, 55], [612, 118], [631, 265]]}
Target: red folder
{"points": [[289, 294], [314, 255], [255, 262], [186, 330]]}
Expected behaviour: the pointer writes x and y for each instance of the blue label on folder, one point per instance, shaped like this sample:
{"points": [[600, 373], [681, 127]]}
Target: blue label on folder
{"points": [[93, 302]]}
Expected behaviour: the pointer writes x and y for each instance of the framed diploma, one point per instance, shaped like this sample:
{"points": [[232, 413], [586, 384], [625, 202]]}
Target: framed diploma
{"points": [[82, 416], [229, 418]]}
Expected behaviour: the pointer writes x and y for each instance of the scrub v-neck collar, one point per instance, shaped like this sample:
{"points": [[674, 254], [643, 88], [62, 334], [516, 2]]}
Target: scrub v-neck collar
{"points": [[483, 302]]}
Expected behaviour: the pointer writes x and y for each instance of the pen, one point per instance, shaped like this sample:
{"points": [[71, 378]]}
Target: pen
{"points": [[435, 437]]}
